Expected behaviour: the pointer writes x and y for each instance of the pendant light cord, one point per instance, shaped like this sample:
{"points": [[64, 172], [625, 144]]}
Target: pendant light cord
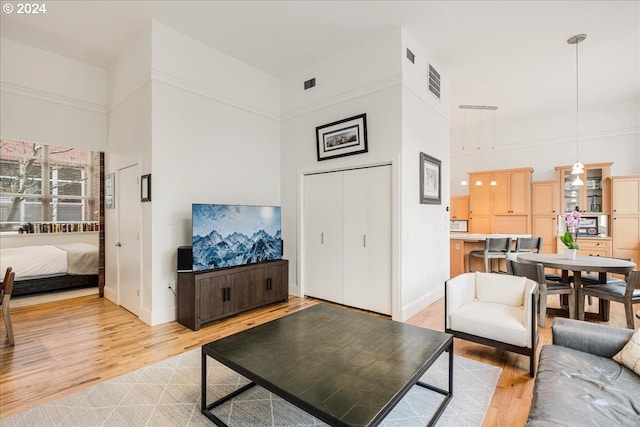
{"points": [[577, 110]]}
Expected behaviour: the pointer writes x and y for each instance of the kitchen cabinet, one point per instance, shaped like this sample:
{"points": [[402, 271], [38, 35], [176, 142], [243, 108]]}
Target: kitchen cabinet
{"points": [[459, 206], [545, 208], [456, 260], [625, 216], [596, 246], [503, 208], [593, 196]]}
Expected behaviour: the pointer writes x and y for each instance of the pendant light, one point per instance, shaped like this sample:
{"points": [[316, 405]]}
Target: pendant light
{"points": [[578, 167]]}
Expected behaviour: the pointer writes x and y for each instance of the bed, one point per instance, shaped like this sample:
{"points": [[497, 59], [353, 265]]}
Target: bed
{"points": [[49, 268]]}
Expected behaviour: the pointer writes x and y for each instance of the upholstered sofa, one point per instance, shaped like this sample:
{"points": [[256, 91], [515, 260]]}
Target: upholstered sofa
{"points": [[578, 384]]}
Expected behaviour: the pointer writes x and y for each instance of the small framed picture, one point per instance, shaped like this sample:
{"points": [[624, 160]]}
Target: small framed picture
{"points": [[342, 138], [145, 188], [430, 180], [109, 182]]}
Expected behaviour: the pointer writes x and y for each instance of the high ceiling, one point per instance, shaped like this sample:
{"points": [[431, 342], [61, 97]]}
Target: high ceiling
{"points": [[510, 54]]}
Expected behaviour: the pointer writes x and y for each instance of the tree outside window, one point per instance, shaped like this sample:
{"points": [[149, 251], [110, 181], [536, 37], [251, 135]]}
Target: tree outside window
{"points": [[46, 183]]}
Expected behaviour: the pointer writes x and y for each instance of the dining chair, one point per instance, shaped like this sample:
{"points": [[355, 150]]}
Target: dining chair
{"points": [[591, 279], [494, 248], [529, 244], [5, 296], [535, 272], [628, 295]]}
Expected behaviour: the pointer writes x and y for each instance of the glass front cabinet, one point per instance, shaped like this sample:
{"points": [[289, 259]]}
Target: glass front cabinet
{"points": [[593, 196]]}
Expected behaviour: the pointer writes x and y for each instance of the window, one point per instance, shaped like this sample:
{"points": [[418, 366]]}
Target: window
{"points": [[47, 183]]}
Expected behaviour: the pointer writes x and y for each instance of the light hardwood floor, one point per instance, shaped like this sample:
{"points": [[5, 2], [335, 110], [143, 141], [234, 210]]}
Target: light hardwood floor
{"points": [[64, 346]]}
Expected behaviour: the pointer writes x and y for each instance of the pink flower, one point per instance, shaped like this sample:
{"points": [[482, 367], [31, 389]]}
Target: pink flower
{"points": [[573, 219]]}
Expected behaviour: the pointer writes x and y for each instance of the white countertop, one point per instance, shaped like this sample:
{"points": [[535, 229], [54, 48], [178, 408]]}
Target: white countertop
{"points": [[478, 237]]}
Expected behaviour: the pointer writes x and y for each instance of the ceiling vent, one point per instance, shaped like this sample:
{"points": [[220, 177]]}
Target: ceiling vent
{"points": [[434, 81]]}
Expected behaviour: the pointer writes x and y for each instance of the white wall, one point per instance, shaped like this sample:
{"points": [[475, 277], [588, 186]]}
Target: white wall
{"points": [[49, 99], [608, 133], [402, 120], [129, 143], [214, 140], [424, 228]]}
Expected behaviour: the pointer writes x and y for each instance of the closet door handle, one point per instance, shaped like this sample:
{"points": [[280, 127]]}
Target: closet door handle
{"points": [[322, 238], [364, 240]]}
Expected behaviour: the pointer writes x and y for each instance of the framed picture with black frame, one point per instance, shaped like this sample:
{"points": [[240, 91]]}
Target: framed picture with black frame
{"points": [[342, 138], [430, 180]]}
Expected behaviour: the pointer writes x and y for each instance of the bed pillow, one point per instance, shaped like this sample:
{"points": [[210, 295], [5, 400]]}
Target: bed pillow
{"points": [[629, 356]]}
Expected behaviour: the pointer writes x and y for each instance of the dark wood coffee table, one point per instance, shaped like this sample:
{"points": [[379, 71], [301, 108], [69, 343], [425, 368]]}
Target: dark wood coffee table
{"points": [[343, 367]]}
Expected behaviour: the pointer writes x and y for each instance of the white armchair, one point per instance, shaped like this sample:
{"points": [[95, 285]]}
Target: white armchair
{"points": [[494, 309]]}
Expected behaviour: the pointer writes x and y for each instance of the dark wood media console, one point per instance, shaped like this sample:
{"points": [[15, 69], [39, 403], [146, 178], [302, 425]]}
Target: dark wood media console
{"points": [[205, 296]]}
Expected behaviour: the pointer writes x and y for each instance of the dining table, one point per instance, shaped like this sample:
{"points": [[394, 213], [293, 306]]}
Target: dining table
{"points": [[578, 265]]}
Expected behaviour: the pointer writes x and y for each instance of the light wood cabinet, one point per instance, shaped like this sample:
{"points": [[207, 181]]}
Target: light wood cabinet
{"points": [[456, 260], [459, 206], [545, 202], [480, 196], [593, 196], [625, 218], [503, 208], [594, 246]]}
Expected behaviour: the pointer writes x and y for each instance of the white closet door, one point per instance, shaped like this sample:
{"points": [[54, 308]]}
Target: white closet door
{"points": [[378, 271], [367, 238], [355, 238], [323, 256]]}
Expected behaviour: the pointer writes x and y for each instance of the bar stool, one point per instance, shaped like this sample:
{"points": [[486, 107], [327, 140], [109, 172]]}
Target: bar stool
{"points": [[494, 248]]}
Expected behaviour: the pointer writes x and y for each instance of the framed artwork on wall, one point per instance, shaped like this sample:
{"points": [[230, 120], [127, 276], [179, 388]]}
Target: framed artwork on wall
{"points": [[145, 188], [430, 180], [342, 138], [109, 199]]}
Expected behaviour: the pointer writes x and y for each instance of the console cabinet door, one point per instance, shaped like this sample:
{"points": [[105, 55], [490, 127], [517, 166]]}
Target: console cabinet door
{"points": [[240, 291], [274, 286], [214, 301]]}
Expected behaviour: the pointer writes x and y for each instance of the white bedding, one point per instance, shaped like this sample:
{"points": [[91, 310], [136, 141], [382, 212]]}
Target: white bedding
{"points": [[38, 261]]}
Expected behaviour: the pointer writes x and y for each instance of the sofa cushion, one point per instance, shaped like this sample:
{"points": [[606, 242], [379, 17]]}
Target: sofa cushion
{"points": [[629, 356], [500, 288], [574, 388], [498, 322]]}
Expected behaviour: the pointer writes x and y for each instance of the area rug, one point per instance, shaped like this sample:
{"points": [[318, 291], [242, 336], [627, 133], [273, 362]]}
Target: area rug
{"points": [[167, 394]]}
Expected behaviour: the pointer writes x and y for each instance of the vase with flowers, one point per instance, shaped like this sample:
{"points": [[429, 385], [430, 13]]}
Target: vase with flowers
{"points": [[570, 237]]}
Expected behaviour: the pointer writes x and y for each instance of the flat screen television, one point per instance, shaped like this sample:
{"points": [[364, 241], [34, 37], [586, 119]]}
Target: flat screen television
{"points": [[231, 235]]}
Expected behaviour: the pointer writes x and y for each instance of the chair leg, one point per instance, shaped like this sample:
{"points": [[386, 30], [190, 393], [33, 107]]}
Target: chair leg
{"points": [[628, 310], [470, 263], [486, 265], [532, 364], [572, 307], [580, 305], [7, 323], [543, 310]]}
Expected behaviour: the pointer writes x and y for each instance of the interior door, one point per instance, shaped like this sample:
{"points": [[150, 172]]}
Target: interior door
{"points": [[128, 246], [323, 252]]}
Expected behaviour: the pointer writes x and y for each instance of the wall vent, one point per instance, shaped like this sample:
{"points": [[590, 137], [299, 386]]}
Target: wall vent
{"points": [[410, 56], [309, 83], [434, 81]]}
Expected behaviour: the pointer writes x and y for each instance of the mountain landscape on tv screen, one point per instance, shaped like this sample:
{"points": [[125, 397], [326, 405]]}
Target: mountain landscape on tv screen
{"points": [[236, 235]]}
